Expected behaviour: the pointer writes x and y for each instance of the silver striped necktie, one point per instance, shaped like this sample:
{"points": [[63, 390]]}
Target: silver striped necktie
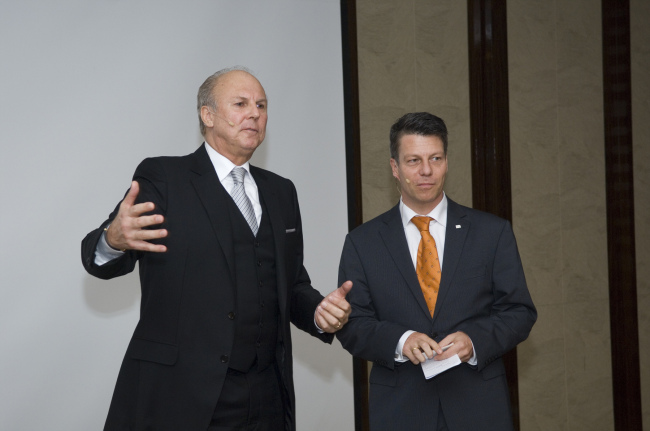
{"points": [[241, 199]]}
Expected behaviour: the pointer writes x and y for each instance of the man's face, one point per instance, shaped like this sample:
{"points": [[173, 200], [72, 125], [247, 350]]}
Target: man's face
{"points": [[421, 171], [238, 125]]}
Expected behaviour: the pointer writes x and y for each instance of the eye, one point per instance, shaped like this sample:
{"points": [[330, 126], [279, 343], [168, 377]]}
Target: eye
{"points": [[239, 103], [261, 106]]}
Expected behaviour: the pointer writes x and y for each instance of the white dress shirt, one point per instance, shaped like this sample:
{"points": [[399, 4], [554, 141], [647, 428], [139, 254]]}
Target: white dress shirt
{"points": [[437, 228], [105, 253]]}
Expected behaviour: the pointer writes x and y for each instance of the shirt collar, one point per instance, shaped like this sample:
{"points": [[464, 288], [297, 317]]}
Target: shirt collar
{"points": [[439, 213], [221, 164]]}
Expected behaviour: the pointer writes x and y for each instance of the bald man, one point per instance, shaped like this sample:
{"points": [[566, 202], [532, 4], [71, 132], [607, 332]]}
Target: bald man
{"points": [[219, 245]]}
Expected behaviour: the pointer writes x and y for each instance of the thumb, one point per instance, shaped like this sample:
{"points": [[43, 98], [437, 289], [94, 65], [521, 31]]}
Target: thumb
{"points": [[129, 199], [342, 291]]}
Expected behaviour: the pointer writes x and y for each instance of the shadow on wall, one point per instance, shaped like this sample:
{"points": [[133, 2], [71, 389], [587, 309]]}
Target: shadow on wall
{"points": [[114, 297], [323, 360]]}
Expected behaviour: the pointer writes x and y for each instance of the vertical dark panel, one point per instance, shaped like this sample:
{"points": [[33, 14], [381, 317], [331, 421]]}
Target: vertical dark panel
{"points": [[490, 128], [620, 215], [353, 170], [351, 109]]}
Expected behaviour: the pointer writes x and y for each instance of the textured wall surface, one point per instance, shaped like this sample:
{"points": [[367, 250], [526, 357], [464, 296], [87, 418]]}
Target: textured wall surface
{"points": [[412, 57], [558, 175]]}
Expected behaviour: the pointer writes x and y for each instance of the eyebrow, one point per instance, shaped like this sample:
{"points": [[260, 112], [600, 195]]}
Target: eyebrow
{"points": [[247, 98]]}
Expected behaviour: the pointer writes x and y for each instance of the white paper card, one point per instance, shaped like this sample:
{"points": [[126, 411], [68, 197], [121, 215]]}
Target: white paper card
{"points": [[432, 368]]}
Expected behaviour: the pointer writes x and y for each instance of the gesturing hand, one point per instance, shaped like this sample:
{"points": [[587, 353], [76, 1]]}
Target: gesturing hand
{"points": [[127, 232], [333, 311], [419, 347], [462, 346]]}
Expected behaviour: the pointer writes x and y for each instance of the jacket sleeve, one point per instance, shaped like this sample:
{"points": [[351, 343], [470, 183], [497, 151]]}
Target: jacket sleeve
{"points": [[151, 179], [512, 313], [366, 335], [304, 297]]}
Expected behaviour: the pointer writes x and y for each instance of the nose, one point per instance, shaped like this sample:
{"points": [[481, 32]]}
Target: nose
{"points": [[425, 168], [255, 111]]}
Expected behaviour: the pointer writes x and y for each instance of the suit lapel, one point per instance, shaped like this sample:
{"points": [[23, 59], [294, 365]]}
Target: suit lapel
{"points": [[270, 199], [454, 241], [215, 200], [392, 233]]}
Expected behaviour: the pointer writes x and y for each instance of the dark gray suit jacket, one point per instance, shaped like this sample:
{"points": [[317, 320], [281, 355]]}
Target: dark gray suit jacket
{"points": [[177, 360], [482, 292]]}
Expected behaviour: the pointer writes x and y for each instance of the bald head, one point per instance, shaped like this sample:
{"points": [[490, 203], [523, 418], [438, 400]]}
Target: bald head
{"points": [[232, 111], [207, 96]]}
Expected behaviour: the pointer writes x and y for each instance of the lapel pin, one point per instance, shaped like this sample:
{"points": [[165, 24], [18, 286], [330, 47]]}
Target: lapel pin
{"points": [[457, 226]]}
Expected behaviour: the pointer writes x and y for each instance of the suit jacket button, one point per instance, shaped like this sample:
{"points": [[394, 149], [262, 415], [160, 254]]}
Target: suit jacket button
{"points": [[224, 359], [231, 315]]}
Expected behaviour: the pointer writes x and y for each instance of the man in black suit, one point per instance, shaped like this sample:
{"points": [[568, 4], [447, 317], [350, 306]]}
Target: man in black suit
{"points": [[479, 306], [220, 250]]}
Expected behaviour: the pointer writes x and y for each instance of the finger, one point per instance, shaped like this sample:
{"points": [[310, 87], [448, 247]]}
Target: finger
{"points": [[334, 310], [408, 353], [339, 301], [330, 318], [329, 321], [416, 354], [342, 291], [427, 351], [139, 209], [324, 324], [144, 221], [129, 199], [149, 234], [449, 339], [435, 347], [147, 246]]}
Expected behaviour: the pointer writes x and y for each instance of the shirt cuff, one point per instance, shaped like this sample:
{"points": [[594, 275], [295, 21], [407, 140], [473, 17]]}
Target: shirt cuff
{"points": [[104, 253], [473, 361], [320, 331], [400, 346]]}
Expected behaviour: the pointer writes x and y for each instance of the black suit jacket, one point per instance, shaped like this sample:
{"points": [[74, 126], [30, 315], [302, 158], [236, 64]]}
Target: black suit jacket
{"points": [[482, 293], [176, 362]]}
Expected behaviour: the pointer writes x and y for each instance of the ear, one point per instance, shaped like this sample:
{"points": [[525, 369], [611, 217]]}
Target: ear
{"points": [[207, 117], [393, 165]]}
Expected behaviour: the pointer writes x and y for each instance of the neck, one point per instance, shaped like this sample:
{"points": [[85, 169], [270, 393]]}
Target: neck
{"points": [[236, 159]]}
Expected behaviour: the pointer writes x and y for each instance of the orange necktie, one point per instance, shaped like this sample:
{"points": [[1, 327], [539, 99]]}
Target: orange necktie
{"points": [[428, 266]]}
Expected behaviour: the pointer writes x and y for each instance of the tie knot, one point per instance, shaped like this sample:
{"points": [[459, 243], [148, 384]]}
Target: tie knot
{"points": [[422, 223], [238, 174]]}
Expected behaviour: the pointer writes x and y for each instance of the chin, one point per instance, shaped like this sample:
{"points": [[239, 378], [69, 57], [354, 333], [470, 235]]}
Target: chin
{"points": [[251, 146]]}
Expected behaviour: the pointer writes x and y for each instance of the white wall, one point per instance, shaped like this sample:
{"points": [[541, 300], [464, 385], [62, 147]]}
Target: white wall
{"points": [[88, 88]]}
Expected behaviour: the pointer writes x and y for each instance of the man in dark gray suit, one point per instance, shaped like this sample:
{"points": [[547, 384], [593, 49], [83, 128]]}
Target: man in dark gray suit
{"points": [[220, 251], [478, 307]]}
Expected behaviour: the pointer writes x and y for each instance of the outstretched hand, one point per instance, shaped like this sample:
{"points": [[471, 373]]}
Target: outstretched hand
{"points": [[333, 311], [127, 232]]}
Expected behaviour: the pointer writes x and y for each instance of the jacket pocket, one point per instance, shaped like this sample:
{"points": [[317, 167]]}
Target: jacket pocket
{"points": [[493, 370], [473, 272], [383, 376], [153, 351]]}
